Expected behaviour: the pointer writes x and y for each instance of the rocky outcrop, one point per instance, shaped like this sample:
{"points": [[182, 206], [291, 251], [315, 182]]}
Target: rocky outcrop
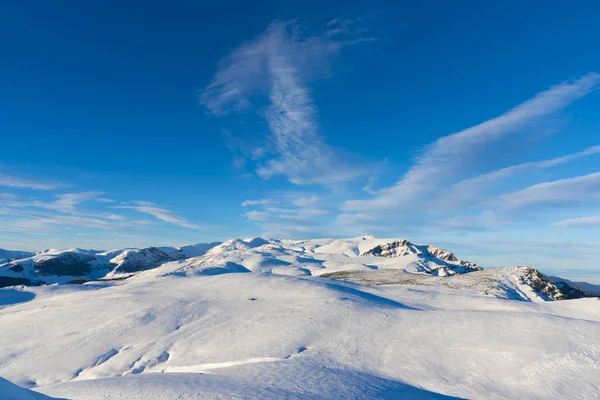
{"points": [[439, 261], [143, 259], [553, 290]]}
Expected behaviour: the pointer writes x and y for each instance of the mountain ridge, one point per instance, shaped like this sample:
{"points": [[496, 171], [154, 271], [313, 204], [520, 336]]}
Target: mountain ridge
{"points": [[352, 258]]}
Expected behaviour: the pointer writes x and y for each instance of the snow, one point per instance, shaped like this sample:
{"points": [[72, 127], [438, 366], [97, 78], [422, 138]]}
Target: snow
{"points": [[63, 266], [7, 255], [257, 319], [11, 391]]}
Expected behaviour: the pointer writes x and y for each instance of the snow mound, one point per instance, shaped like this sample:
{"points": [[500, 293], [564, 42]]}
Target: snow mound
{"points": [[167, 335], [10, 391]]}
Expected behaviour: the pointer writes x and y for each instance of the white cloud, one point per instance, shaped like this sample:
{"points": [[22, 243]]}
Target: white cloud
{"points": [[30, 220], [66, 202], [18, 182], [564, 192], [294, 213], [450, 158], [161, 213], [278, 65], [260, 202], [305, 202], [507, 172], [579, 222], [370, 184], [257, 215], [42, 223], [477, 191]]}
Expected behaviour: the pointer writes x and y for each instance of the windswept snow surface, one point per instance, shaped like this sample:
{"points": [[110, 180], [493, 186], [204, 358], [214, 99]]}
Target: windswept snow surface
{"points": [[253, 319]]}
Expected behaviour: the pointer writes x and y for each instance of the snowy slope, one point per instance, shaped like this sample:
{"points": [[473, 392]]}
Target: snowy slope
{"points": [[511, 283], [8, 255], [314, 257], [182, 331], [61, 266], [282, 257], [285, 257], [10, 391]]}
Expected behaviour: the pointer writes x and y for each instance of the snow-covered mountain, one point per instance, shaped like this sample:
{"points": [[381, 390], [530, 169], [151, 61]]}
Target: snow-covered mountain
{"points": [[358, 259], [286, 257], [512, 283], [8, 255], [63, 266], [431, 257], [258, 319]]}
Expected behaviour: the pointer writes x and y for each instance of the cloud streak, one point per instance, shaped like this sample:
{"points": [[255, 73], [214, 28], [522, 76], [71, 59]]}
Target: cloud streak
{"points": [[579, 222], [161, 214], [260, 202], [277, 67], [450, 158], [558, 193], [23, 183]]}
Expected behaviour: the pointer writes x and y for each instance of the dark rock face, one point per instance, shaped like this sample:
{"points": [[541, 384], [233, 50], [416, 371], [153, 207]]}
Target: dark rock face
{"points": [[72, 264], [144, 259], [9, 281], [442, 254], [16, 268], [393, 249], [554, 291], [570, 292]]}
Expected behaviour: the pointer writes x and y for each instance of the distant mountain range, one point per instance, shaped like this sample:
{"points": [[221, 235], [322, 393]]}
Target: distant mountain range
{"points": [[366, 260], [9, 255]]}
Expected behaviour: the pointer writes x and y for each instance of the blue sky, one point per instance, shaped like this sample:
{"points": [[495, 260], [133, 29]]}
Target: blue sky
{"points": [[472, 125]]}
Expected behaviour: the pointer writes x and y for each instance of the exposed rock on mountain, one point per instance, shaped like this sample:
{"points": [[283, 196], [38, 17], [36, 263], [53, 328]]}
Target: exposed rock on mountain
{"points": [[444, 262], [63, 266], [512, 283]]}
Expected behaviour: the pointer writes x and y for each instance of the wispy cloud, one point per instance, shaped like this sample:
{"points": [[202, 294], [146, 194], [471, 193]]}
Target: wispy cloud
{"points": [[257, 215], [259, 202], [451, 158], [278, 66], [507, 172], [33, 220], [19, 182], [297, 214], [161, 213], [562, 192], [480, 190], [41, 223], [66, 202], [66, 215], [580, 222], [306, 202]]}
